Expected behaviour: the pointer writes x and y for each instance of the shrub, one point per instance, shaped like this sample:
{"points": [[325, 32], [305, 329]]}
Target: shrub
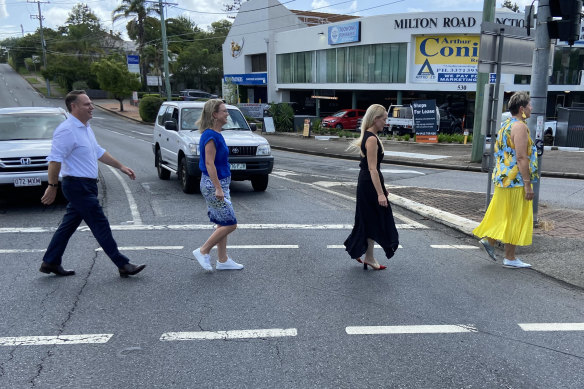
{"points": [[80, 85], [283, 115], [316, 127], [149, 107]]}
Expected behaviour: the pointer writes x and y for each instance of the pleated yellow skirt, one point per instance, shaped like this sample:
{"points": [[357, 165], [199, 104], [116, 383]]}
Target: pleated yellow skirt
{"points": [[509, 218]]}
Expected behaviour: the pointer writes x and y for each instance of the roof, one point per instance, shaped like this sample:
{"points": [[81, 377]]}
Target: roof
{"points": [[315, 18]]}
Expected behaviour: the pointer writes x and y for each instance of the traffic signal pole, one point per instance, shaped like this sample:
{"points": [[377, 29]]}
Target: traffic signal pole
{"points": [[539, 87]]}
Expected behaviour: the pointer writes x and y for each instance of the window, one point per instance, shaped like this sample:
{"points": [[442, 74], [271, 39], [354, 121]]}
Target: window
{"points": [[258, 63], [383, 63]]}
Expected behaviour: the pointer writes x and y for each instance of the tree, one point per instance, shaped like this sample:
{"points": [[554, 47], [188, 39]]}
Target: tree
{"points": [[233, 7], [138, 10], [512, 6], [113, 76]]}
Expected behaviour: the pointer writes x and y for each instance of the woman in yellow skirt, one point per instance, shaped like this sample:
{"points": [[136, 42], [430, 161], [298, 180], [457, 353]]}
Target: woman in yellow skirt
{"points": [[509, 218]]}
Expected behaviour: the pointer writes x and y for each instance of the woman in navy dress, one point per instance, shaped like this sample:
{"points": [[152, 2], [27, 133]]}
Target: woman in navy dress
{"points": [[373, 216]]}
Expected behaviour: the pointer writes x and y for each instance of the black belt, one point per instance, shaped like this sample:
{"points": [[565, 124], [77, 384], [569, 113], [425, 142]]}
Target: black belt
{"points": [[73, 178]]}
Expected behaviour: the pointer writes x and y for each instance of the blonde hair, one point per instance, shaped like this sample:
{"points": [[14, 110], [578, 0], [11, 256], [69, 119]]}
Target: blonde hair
{"points": [[374, 112], [206, 120]]}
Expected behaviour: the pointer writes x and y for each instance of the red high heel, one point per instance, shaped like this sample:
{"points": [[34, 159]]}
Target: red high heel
{"points": [[358, 260], [381, 267]]}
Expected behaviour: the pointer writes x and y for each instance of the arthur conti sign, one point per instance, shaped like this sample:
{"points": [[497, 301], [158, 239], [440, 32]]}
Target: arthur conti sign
{"points": [[446, 58]]}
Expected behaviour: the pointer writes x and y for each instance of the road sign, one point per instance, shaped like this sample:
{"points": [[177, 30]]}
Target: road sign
{"points": [[518, 48]]}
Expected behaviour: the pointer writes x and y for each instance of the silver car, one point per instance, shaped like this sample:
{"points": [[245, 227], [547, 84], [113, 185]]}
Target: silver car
{"points": [[25, 142]]}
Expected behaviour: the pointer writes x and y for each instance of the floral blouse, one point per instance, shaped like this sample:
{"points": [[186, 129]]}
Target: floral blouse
{"points": [[506, 174]]}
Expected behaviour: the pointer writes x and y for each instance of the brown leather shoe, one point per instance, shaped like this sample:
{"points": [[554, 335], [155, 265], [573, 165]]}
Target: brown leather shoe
{"points": [[57, 269], [130, 269]]}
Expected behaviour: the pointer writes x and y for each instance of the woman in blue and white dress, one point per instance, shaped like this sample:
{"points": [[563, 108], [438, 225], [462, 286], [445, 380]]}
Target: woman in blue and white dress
{"points": [[215, 180]]}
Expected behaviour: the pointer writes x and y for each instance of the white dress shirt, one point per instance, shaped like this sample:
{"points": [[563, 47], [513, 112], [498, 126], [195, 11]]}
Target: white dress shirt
{"points": [[75, 147]]}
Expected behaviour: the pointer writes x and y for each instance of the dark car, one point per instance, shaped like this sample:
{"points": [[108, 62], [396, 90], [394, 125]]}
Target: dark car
{"points": [[449, 124], [195, 94]]}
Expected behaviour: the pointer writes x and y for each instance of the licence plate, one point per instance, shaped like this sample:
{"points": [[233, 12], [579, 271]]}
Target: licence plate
{"points": [[35, 181], [237, 166]]}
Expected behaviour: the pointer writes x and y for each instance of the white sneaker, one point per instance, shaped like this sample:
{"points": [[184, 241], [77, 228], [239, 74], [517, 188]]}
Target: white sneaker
{"points": [[230, 264], [203, 259], [515, 264]]}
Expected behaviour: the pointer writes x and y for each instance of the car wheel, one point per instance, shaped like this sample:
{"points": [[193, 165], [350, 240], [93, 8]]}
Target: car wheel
{"points": [[163, 174], [188, 183], [339, 126], [260, 183]]}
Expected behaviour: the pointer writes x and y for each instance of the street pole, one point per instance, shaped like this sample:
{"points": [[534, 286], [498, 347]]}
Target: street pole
{"points": [[482, 79], [539, 86], [43, 44], [165, 52]]}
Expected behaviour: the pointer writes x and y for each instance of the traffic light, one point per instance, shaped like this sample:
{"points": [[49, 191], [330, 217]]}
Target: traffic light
{"points": [[568, 28]]}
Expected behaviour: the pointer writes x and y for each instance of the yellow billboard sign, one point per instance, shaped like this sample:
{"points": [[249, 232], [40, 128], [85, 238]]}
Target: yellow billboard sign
{"points": [[446, 58]]}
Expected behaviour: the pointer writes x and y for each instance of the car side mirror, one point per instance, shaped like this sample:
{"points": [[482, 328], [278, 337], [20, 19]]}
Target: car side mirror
{"points": [[170, 125], [253, 126]]}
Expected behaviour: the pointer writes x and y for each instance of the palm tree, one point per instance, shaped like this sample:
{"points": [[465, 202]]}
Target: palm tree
{"points": [[138, 10]]}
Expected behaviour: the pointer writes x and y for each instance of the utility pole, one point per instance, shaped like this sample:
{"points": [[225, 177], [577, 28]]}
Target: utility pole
{"points": [[165, 52], [43, 44], [539, 86], [482, 79]]}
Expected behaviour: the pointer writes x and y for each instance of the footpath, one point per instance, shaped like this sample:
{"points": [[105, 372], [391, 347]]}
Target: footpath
{"points": [[558, 242]]}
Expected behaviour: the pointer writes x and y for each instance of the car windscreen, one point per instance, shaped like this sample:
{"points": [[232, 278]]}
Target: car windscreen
{"points": [[29, 126], [235, 121], [339, 114]]}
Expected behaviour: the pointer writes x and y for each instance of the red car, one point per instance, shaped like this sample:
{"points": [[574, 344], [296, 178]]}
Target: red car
{"points": [[346, 118]]}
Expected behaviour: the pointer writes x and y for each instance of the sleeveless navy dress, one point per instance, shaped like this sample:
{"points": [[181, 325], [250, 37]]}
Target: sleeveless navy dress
{"points": [[371, 220]]}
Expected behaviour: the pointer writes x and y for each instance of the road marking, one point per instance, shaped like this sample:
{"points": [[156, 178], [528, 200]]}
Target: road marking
{"points": [[194, 227], [227, 335], [453, 246], [394, 171], [262, 246], [552, 326], [141, 133], [414, 329], [54, 340], [341, 246], [137, 220], [15, 251], [136, 248], [410, 223], [414, 155]]}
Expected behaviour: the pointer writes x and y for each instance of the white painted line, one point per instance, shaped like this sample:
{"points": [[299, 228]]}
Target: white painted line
{"points": [[136, 248], [226, 335], [136, 218], [330, 184], [340, 246], [414, 329], [141, 133], [54, 340], [262, 246], [16, 251], [453, 246], [195, 227], [552, 326], [414, 155]]}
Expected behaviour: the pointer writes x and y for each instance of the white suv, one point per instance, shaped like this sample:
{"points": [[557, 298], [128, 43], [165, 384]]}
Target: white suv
{"points": [[176, 146], [25, 142]]}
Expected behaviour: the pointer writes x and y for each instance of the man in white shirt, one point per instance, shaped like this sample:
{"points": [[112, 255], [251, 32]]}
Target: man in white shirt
{"points": [[74, 154]]}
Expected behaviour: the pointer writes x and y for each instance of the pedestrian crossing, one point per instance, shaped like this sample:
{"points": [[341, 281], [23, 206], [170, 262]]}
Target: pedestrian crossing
{"points": [[245, 247], [265, 333]]}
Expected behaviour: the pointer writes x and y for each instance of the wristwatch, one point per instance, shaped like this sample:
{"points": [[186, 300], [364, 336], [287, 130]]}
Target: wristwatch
{"points": [[53, 185]]}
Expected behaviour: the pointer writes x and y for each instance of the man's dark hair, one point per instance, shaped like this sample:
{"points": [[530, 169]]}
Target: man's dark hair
{"points": [[71, 97]]}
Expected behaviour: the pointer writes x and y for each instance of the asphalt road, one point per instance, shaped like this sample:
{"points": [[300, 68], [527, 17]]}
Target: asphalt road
{"points": [[301, 314]]}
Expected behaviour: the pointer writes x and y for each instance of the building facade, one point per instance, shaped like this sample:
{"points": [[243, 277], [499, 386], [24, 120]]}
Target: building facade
{"points": [[326, 62]]}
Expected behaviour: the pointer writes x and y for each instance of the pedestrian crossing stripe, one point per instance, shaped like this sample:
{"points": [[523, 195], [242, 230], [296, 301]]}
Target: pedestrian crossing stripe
{"points": [[55, 340], [228, 335]]}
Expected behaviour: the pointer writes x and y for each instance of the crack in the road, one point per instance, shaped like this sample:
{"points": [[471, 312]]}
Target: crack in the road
{"points": [[63, 324]]}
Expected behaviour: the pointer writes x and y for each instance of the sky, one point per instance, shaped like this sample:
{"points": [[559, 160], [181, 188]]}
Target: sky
{"points": [[15, 15]]}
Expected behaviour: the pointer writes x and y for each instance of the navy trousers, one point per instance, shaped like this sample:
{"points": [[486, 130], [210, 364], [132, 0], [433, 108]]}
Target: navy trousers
{"points": [[83, 205]]}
